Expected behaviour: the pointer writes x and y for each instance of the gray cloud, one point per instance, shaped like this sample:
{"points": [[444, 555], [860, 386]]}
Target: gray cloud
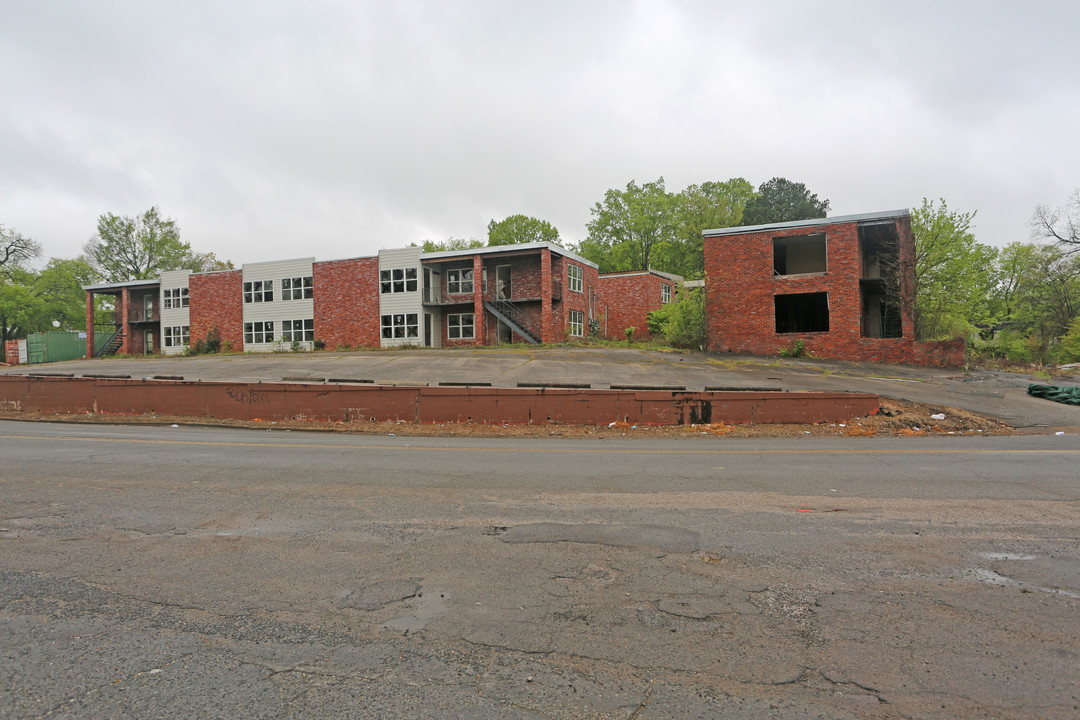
{"points": [[336, 128]]}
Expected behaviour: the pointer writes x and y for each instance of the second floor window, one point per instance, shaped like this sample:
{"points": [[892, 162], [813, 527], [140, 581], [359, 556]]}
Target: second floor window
{"points": [[575, 280], [397, 280], [174, 298], [259, 291], [297, 288], [459, 282], [665, 294]]}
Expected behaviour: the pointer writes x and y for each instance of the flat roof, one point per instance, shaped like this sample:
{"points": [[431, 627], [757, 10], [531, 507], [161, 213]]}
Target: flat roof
{"points": [[558, 249], [629, 273], [816, 222], [121, 285]]}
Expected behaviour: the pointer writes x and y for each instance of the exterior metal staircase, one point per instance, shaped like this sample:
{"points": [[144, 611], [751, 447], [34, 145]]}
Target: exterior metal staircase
{"points": [[112, 344], [512, 317]]}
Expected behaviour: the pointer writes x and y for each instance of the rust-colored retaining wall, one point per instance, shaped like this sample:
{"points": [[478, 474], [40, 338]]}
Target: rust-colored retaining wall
{"points": [[305, 401]]}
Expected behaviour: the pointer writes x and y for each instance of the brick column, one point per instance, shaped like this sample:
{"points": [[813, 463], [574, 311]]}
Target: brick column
{"points": [[89, 324], [123, 302], [545, 296], [479, 317]]}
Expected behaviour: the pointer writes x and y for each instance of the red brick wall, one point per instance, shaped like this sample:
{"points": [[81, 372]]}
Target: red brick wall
{"points": [[560, 309], [740, 288], [346, 302], [217, 301], [626, 301]]}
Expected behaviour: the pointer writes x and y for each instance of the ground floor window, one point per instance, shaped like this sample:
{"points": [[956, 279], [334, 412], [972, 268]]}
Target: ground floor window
{"points": [[177, 335], [258, 332], [297, 331], [402, 325], [577, 323], [665, 294], [802, 312], [460, 326]]}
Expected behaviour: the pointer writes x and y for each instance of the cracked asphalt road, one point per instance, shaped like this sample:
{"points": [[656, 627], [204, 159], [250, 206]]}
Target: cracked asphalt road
{"points": [[201, 573]]}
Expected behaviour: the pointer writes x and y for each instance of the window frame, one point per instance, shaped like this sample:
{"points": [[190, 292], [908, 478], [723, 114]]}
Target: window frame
{"points": [[175, 298], [575, 278], [455, 322], [457, 277], [399, 280], [298, 288], [305, 327], [265, 329], [665, 294], [399, 326], [577, 323], [258, 291], [176, 335]]}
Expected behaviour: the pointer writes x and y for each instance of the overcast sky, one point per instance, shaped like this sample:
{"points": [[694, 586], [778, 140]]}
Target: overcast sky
{"points": [[273, 129]]}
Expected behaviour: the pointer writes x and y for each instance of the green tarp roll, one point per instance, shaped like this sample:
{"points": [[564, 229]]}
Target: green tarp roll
{"points": [[1057, 393]]}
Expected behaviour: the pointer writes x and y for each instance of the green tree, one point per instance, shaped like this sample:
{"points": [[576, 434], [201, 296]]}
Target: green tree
{"points": [[430, 246], [137, 248], [707, 206], [631, 226], [954, 275], [16, 249], [204, 262], [1048, 293], [781, 200], [517, 229], [48, 300], [60, 286]]}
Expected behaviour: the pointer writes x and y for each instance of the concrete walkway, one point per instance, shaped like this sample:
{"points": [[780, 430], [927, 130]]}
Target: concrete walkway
{"points": [[999, 394]]}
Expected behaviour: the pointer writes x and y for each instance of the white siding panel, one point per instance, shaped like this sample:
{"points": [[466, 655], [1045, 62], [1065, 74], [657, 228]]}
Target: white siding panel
{"points": [[402, 303], [278, 310], [173, 317]]}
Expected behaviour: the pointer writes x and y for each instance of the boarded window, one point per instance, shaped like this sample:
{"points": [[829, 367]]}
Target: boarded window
{"points": [[802, 312], [799, 254]]}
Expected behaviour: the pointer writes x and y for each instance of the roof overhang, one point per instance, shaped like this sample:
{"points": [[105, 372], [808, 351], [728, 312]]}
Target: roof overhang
{"points": [[863, 219]]}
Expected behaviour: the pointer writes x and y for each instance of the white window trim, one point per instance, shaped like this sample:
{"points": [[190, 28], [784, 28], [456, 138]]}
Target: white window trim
{"points": [[460, 281], [471, 325], [300, 288], [576, 321], [401, 326], [575, 278]]}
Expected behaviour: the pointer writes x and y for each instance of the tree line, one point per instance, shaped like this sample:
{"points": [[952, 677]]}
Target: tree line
{"points": [[124, 248]]}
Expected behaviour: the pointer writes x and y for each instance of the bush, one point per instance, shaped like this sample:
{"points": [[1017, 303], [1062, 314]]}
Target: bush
{"points": [[211, 344], [682, 324], [630, 333]]}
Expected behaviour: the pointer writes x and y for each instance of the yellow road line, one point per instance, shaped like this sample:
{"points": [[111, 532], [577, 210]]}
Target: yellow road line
{"points": [[567, 451]]}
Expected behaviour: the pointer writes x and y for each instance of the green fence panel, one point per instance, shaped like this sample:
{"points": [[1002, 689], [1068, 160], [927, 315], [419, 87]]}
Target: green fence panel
{"points": [[55, 346]]}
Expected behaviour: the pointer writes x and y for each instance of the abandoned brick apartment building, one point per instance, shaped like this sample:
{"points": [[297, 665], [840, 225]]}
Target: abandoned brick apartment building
{"points": [[532, 293], [841, 286]]}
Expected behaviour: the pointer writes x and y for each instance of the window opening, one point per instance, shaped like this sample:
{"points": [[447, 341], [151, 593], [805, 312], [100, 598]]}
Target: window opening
{"points": [[459, 282], [799, 254], [460, 326], [258, 291], [298, 288], [802, 312], [401, 325], [575, 278]]}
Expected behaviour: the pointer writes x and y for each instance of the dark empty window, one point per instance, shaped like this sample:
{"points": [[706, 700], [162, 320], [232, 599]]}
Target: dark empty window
{"points": [[799, 254], [802, 312]]}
